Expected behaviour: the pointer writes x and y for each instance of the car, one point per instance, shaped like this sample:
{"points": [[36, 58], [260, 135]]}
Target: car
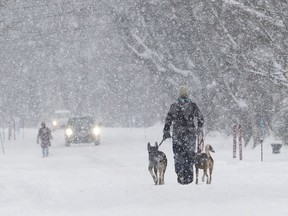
{"points": [[59, 119], [82, 130]]}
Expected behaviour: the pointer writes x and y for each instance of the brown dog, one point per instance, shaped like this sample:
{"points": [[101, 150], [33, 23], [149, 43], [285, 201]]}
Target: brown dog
{"points": [[205, 161], [157, 163]]}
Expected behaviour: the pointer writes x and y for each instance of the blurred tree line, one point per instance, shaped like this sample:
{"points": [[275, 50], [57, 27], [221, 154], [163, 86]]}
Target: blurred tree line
{"points": [[123, 61]]}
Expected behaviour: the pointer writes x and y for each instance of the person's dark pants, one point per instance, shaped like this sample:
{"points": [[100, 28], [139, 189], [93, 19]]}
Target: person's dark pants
{"points": [[45, 150], [184, 153]]}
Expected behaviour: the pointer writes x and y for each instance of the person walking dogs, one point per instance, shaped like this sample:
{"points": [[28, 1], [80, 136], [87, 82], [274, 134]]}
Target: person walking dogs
{"points": [[182, 115], [44, 136]]}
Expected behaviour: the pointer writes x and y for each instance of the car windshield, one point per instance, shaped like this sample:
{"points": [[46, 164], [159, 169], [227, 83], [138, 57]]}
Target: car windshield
{"points": [[81, 122], [63, 114]]}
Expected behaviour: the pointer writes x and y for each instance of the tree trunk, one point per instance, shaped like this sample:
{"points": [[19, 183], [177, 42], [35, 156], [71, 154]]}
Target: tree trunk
{"points": [[255, 134]]}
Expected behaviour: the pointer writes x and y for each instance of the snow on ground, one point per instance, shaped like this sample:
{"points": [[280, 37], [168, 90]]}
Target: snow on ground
{"points": [[112, 179]]}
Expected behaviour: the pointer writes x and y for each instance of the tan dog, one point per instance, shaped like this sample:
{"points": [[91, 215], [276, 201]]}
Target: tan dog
{"points": [[205, 161], [157, 163]]}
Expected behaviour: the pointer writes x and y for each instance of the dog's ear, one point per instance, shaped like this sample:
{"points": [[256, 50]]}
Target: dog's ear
{"points": [[211, 149], [156, 144], [148, 146]]}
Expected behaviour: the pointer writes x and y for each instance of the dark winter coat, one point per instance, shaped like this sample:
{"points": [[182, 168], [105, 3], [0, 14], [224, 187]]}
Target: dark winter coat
{"points": [[182, 114], [44, 135]]}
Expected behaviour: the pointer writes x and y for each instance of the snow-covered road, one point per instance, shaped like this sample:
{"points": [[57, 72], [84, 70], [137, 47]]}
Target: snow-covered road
{"points": [[112, 179]]}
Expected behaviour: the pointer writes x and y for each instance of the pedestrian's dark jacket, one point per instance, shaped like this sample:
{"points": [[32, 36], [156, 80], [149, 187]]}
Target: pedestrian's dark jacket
{"points": [[44, 134], [182, 114]]}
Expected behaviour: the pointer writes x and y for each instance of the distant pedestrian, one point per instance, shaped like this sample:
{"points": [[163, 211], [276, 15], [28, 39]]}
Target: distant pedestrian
{"points": [[44, 136], [182, 115]]}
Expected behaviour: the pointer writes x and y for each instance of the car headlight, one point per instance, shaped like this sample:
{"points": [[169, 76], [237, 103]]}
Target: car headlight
{"points": [[69, 132], [96, 131], [54, 123]]}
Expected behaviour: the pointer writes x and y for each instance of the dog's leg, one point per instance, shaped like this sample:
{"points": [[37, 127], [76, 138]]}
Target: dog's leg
{"points": [[210, 172], [197, 172], [151, 168], [160, 179], [162, 174], [156, 171], [205, 174]]}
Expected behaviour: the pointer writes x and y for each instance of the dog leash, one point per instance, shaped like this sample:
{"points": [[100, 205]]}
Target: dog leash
{"points": [[161, 142], [200, 142]]}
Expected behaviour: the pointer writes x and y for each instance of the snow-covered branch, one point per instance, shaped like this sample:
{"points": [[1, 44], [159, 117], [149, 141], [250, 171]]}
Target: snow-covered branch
{"points": [[240, 102], [146, 52], [254, 12]]}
